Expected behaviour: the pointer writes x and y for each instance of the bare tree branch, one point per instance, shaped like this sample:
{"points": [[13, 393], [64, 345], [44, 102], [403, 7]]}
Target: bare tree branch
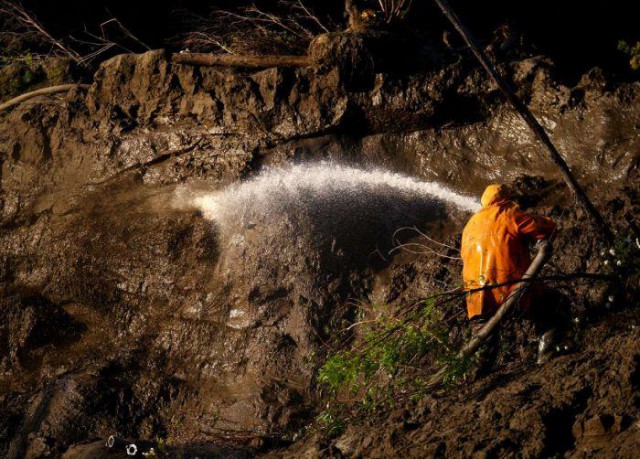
{"points": [[287, 28], [311, 16], [16, 11], [394, 9], [126, 31]]}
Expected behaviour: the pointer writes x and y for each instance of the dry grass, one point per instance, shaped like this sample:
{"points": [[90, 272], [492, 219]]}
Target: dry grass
{"points": [[287, 29], [23, 28], [25, 38]]}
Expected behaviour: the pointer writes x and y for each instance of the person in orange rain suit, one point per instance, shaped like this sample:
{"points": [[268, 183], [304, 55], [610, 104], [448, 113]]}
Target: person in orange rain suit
{"points": [[495, 250]]}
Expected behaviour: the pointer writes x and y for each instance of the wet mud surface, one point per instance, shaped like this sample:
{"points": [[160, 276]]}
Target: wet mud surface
{"points": [[124, 315]]}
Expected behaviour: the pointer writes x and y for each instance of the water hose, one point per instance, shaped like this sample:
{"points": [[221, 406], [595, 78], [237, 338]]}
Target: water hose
{"points": [[132, 449], [114, 442], [41, 92], [545, 250]]}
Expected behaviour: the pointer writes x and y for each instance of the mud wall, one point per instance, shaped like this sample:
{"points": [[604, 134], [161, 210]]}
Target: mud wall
{"points": [[120, 313]]}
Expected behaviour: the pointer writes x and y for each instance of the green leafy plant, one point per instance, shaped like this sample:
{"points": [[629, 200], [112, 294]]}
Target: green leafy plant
{"points": [[331, 422], [390, 356], [633, 51]]}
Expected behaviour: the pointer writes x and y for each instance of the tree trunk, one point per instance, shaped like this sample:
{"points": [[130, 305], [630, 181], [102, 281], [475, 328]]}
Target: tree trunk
{"points": [[247, 61]]}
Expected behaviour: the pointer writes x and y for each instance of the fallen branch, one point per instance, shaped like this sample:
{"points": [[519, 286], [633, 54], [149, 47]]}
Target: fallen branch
{"points": [[242, 61], [544, 253], [531, 120], [41, 92]]}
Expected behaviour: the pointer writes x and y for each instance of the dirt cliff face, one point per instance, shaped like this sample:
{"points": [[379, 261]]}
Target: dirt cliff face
{"points": [[124, 315]]}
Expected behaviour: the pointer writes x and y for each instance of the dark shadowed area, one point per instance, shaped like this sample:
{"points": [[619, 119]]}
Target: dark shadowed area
{"points": [[575, 34]]}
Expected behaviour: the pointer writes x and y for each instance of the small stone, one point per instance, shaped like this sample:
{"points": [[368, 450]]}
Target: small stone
{"points": [[594, 427]]}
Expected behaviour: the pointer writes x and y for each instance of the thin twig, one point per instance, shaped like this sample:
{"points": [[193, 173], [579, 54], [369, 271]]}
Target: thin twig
{"points": [[126, 31], [311, 16], [20, 14], [413, 228], [428, 249]]}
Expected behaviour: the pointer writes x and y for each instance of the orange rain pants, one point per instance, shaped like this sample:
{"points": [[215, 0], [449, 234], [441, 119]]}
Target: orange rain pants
{"points": [[495, 249]]}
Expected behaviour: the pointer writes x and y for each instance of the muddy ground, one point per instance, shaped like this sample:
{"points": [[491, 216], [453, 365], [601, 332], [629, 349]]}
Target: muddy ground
{"points": [[118, 309]]}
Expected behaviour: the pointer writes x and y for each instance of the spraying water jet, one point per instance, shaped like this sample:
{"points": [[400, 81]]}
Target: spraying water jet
{"points": [[313, 234], [318, 185]]}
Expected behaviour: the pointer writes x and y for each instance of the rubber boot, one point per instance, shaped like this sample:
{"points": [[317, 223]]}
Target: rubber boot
{"points": [[546, 346], [488, 354]]}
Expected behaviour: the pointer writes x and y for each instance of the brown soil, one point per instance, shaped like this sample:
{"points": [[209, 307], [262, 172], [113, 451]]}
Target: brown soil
{"points": [[115, 307]]}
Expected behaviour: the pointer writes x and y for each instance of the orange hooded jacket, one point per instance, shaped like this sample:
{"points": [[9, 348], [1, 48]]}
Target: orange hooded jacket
{"points": [[495, 249]]}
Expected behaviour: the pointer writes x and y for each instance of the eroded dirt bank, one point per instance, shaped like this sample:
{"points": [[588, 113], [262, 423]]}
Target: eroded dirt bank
{"points": [[120, 312]]}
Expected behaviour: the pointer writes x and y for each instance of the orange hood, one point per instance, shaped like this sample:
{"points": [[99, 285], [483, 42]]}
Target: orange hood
{"points": [[495, 195]]}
